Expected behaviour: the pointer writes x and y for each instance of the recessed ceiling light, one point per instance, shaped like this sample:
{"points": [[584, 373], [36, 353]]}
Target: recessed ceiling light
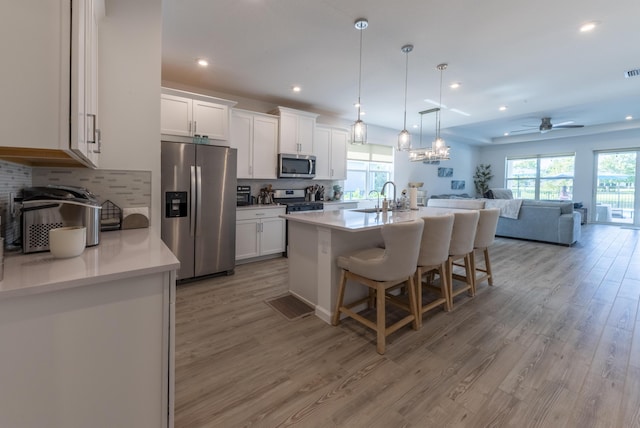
{"points": [[356, 105], [455, 85], [589, 26], [502, 108], [629, 117], [203, 62], [414, 126], [296, 88], [506, 134], [362, 113]]}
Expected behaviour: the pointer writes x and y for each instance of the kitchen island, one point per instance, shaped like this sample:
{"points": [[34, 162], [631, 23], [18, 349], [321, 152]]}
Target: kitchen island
{"points": [[88, 341], [316, 239]]}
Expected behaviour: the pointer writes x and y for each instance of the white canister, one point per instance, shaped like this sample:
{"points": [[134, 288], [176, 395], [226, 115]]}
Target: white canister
{"points": [[413, 198]]}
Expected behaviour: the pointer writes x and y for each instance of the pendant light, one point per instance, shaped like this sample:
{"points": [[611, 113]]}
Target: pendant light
{"points": [[404, 137], [438, 151], [359, 128]]}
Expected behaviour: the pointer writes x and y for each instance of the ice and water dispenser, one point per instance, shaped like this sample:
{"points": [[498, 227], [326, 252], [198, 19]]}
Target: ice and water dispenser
{"points": [[175, 204]]}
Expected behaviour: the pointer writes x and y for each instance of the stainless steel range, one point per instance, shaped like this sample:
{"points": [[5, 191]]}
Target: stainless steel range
{"points": [[296, 201]]}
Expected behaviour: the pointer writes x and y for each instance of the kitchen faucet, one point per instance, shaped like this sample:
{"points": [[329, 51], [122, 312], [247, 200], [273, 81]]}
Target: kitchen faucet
{"points": [[384, 186], [378, 193]]}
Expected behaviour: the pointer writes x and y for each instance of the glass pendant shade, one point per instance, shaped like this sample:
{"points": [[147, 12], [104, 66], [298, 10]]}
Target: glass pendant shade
{"points": [[359, 128], [359, 132], [404, 140], [404, 137]]}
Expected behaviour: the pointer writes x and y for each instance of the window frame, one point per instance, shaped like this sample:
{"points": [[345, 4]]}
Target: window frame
{"points": [[539, 181], [371, 155]]}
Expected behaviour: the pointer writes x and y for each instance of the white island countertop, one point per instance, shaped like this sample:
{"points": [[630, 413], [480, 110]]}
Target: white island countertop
{"points": [[355, 220], [120, 254]]}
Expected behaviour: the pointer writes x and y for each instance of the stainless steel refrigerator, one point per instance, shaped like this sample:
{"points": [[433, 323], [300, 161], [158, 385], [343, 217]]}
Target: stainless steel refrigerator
{"points": [[199, 204]]}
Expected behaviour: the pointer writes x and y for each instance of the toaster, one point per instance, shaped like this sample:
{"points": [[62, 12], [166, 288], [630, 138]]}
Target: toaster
{"points": [[50, 207]]}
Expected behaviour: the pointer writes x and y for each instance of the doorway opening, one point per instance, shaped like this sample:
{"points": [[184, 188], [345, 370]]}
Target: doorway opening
{"points": [[616, 198]]}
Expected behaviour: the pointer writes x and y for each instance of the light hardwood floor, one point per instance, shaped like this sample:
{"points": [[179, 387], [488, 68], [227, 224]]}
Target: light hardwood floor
{"points": [[554, 343]]}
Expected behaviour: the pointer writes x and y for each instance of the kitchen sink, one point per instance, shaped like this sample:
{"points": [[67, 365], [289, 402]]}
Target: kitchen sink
{"points": [[374, 210], [366, 210]]}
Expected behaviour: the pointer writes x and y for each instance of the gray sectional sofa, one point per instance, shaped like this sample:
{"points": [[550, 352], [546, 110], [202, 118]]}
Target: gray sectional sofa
{"points": [[547, 221]]}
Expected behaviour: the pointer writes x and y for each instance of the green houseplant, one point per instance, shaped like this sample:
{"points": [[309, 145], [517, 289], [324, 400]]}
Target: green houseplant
{"points": [[482, 177]]}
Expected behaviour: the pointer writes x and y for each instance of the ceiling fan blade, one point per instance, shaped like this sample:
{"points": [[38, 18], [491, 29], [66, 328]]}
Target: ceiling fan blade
{"points": [[567, 126], [568, 122], [517, 131]]}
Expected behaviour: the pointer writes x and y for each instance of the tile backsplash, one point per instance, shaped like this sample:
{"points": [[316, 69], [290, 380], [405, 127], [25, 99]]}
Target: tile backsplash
{"points": [[124, 188], [127, 189], [13, 178]]}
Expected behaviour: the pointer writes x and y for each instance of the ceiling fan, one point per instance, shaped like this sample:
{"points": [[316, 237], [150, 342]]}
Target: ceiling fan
{"points": [[546, 126]]}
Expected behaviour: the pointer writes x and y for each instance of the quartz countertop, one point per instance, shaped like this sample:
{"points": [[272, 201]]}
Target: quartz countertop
{"points": [[339, 202], [120, 254], [259, 207], [353, 221]]}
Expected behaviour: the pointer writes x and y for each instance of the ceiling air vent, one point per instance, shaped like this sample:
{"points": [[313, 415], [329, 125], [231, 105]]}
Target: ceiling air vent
{"points": [[632, 73]]}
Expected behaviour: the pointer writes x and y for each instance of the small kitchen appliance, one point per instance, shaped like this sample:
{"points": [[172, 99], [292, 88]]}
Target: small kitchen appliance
{"points": [[243, 195], [51, 207]]}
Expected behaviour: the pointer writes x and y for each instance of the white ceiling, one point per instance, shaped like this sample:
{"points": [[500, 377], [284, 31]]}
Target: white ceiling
{"points": [[529, 56]]}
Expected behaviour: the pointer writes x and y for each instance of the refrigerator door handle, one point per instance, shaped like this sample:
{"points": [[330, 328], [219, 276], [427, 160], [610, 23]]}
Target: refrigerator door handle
{"points": [[199, 197], [192, 223]]}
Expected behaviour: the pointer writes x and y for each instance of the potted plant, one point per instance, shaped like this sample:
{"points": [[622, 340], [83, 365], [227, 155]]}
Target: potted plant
{"points": [[481, 178]]}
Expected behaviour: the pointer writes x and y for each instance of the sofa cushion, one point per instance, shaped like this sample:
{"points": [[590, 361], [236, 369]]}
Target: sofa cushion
{"points": [[565, 207], [499, 194], [466, 204]]}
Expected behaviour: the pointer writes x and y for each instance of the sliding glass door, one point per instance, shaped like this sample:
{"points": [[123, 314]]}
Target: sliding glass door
{"points": [[616, 196]]}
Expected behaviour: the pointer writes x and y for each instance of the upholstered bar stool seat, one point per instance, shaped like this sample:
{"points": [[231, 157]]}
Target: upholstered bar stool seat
{"points": [[381, 269], [463, 236], [433, 256], [485, 236]]}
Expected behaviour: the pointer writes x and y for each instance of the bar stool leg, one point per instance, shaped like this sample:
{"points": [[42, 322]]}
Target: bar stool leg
{"points": [[381, 319], [487, 265], [336, 312]]}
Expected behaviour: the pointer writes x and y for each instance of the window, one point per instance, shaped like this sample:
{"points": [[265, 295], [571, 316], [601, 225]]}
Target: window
{"points": [[368, 167], [541, 177]]}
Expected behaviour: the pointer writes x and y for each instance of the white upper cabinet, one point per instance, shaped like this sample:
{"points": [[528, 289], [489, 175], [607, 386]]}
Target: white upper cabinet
{"points": [[297, 129], [331, 153], [176, 115], [51, 101], [85, 132], [186, 114], [255, 135]]}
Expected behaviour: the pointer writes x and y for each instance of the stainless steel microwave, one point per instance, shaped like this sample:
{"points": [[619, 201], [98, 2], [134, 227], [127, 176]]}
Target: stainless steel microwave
{"points": [[296, 166]]}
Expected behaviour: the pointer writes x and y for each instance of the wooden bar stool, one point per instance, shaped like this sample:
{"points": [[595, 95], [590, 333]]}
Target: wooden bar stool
{"points": [[433, 256], [485, 236], [381, 269], [463, 236]]}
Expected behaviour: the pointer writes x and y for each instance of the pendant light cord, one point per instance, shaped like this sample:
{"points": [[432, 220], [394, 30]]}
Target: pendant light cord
{"points": [[406, 77], [360, 73], [439, 103]]}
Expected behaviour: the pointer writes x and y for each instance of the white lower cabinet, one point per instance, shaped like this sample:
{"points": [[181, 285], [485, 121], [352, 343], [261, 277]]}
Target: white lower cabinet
{"points": [[259, 232]]}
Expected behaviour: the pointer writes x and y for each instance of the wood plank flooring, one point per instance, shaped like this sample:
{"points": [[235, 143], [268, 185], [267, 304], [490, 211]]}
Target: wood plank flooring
{"points": [[554, 343]]}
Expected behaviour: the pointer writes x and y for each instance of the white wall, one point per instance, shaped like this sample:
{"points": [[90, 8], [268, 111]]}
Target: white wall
{"points": [[582, 146], [129, 82]]}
